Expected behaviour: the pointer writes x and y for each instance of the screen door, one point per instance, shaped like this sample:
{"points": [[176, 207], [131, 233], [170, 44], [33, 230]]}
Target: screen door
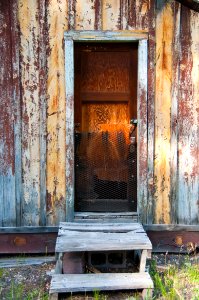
{"points": [[105, 127]]}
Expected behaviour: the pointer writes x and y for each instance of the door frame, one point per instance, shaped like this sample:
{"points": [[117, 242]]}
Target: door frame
{"points": [[106, 36]]}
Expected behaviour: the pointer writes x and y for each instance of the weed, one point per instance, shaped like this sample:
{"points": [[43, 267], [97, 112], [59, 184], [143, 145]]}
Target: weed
{"points": [[97, 296], [1, 272], [177, 282]]}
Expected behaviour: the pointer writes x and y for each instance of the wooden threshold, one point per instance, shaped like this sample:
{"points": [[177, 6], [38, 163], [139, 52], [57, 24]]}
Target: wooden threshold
{"points": [[113, 217]]}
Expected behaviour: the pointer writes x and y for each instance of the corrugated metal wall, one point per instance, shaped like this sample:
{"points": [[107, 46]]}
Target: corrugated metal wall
{"points": [[32, 105]]}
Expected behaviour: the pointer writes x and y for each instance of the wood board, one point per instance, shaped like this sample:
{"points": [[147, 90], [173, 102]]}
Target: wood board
{"points": [[88, 282]]}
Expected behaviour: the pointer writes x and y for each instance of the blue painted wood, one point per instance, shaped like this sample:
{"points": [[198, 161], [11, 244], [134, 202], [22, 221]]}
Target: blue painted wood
{"points": [[7, 168], [9, 204], [1, 198], [88, 35], [142, 165], [17, 109], [69, 75]]}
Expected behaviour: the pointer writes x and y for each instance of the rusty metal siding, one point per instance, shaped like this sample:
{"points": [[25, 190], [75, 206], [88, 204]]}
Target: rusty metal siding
{"points": [[33, 113]]}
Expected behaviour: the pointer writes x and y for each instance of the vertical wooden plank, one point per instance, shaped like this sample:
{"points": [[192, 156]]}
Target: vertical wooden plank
{"points": [[138, 11], [85, 15], [142, 128], [1, 196], [71, 14], [194, 145], [69, 73], [142, 9], [57, 23], [17, 108], [111, 17], [188, 118], [132, 14], [29, 26], [151, 111], [124, 14], [7, 156], [98, 14], [174, 113], [164, 52], [43, 107], [9, 208]]}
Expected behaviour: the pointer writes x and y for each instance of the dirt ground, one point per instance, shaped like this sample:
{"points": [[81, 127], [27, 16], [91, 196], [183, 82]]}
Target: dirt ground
{"points": [[31, 282]]}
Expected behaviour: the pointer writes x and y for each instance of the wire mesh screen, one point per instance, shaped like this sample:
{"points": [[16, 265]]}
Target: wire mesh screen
{"points": [[105, 172]]}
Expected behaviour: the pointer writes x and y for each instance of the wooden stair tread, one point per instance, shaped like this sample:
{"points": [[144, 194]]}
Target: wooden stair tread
{"points": [[63, 283], [101, 237], [104, 227]]}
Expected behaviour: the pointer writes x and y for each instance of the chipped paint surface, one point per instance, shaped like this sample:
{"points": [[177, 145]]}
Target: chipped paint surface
{"points": [[188, 119], [85, 17], [56, 150], [29, 28], [111, 15], [164, 38], [34, 122]]}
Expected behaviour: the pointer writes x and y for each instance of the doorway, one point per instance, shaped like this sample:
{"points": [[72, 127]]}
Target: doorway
{"points": [[105, 114]]}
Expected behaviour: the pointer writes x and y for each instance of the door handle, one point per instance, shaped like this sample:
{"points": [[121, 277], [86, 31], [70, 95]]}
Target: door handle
{"points": [[134, 122]]}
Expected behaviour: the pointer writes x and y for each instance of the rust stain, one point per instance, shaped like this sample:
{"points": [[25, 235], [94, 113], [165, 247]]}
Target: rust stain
{"points": [[107, 15], [6, 86], [19, 241], [163, 100], [56, 131], [97, 7], [178, 240]]}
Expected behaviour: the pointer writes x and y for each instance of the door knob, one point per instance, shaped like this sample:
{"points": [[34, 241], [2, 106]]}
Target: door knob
{"points": [[134, 122]]}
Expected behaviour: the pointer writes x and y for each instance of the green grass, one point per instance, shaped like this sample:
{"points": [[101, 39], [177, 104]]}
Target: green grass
{"points": [[178, 282], [18, 292]]}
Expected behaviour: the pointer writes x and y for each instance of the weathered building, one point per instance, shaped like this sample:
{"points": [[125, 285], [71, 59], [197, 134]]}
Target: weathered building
{"points": [[34, 179]]}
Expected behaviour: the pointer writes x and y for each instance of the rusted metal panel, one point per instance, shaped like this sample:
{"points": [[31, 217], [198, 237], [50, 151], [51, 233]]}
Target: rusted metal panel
{"points": [[173, 241], [188, 121], [7, 139], [28, 243], [57, 12]]}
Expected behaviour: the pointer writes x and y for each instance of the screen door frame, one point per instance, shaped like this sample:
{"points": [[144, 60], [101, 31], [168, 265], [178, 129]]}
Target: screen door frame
{"points": [[107, 36]]}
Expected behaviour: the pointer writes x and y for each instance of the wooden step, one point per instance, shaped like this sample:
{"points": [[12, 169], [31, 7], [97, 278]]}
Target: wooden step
{"points": [[63, 283], [101, 237]]}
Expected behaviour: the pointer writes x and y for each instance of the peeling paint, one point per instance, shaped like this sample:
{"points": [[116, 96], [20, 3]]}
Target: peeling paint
{"points": [[35, 124], [56, 128], [163, 100]]}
